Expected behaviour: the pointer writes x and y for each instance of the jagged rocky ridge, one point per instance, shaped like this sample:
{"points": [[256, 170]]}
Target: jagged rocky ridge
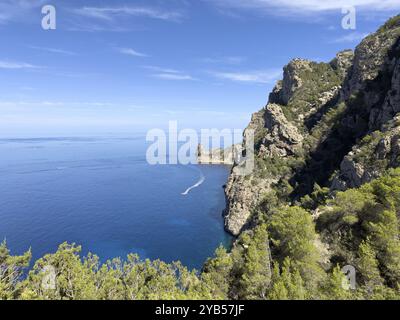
{"points": [[334, 124]]}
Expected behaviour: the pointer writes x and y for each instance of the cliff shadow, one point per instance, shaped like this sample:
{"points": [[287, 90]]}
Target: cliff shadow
{"points": [[351, 126]]}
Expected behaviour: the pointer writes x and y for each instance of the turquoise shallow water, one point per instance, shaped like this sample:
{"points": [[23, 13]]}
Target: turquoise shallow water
{"points": [[101, 193]]}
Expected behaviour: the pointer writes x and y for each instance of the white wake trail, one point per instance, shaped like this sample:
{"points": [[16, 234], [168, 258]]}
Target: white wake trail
{"points": [[198, 183]]}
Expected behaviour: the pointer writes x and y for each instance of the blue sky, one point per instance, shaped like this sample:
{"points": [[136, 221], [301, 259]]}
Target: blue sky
{"points": [[126, 66]]}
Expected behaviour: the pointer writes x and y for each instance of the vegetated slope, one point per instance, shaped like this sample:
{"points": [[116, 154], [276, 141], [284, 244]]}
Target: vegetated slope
{"points": [[315, 123], [325, 189]]}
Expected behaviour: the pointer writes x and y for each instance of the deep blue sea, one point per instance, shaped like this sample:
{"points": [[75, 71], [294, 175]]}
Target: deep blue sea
{"points": [[101, 193]]}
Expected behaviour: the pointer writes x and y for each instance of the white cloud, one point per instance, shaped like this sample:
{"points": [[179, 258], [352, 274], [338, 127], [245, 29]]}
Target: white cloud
{"points": [[3, 18], [308, 6], [17, 65], [252, 76], [54, 50], [168, 73], [131, 52], [85, 26], [224, 60], [48, 103], [351, 37], [161, 70], [110, 13], [11, 10], [117, 18], [173, 76]]}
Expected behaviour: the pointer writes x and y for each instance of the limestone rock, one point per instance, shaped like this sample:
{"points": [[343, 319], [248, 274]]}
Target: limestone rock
{"points": [[282, 138], [292, 81], [391, 106], [228, 156], [302, 122], [369, 58], [368, 161], [343, 62], [242, 195]]}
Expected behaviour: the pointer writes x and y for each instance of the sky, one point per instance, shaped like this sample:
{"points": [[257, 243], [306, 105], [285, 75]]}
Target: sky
{"points": [[130, 65]]}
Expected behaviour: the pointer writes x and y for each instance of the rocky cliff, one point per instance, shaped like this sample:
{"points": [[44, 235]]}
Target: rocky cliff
{"points": [[226, 156], [335, 125]]}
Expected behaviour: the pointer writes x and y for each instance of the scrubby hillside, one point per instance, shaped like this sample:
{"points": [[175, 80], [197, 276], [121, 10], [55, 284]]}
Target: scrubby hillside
{"points": [[324, 124], [324, 189]]}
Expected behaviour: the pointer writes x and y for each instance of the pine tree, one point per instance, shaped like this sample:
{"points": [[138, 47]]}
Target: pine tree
{"points": [[337, 287], [11, 270], [368, 267], [217, 273], [257, 272], [287, 284]]}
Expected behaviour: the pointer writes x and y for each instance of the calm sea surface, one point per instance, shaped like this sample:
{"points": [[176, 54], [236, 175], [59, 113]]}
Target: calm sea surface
{"points": [[101, 193]]}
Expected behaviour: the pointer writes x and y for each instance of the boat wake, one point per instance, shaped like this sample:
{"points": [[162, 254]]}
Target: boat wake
{"points": [[198, 184]]}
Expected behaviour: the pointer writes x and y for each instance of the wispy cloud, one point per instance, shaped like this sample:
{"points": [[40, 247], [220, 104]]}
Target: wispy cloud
{"points": [[50, 103], [111, 13], [17, 65], [11, 10], [118, 18], [290, 7], [169, 74], [173, 76], [3, 18], [131, 52], [268, 76], [224, 60], [54, 50], [86, 26], [349, 38], [73, 74], [161, 70]]}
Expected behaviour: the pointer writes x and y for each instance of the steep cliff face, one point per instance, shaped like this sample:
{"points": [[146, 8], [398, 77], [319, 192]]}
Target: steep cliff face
{"points": [[280, 132], [282, 138], [334, 124], [374, 81], [369, 158]]}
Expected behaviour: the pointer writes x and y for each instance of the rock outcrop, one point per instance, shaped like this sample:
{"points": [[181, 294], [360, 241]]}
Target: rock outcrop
{"points": [[369, 158], [334, 124], [282, 137], [375, 79], [343, 62], [242, 195], [371, 57], [228, 156], [292, 80]]}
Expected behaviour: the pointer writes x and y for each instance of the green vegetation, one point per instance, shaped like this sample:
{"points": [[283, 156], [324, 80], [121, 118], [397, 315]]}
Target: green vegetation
{"points": [[325, 126], [84, 278], [367, 153], [11, 270], [363, 227], [316, 198], [281, 258], [390, 24], [300, 235], [319, 79]]}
